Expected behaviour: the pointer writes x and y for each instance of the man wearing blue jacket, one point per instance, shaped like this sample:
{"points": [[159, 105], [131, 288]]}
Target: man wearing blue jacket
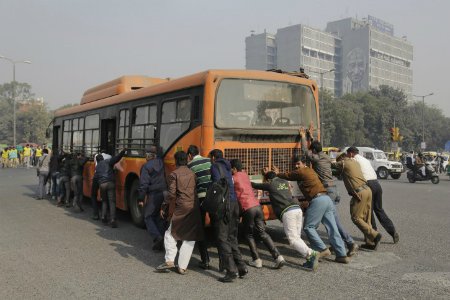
{"points": [[152, 184]]}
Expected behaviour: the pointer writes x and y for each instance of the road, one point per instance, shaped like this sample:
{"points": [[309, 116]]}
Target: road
{"points": [[48, 252]]}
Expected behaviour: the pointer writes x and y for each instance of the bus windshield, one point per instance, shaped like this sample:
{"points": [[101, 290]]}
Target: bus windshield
{"points": [[247, 103]]}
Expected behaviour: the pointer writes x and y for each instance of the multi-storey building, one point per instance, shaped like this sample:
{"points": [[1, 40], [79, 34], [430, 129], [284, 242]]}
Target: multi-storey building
{"points": [[349, 56]]}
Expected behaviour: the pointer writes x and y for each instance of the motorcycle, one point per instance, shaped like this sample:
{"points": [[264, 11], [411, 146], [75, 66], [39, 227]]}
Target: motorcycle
{"points": [[430, 174]]}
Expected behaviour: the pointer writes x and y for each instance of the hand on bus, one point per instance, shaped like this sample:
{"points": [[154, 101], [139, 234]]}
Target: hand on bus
{"points": [[275, 169], [302, 132], [162, 214]]}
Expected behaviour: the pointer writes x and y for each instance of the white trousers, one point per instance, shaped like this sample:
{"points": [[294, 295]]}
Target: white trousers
{"points": [[171, 249], [292, 224]]}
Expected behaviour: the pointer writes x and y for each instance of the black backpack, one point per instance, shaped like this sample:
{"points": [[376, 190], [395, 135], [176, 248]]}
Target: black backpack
{"points": [[217, 201]]}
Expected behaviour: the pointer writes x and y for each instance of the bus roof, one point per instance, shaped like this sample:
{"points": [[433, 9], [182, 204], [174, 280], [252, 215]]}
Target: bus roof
{"points": [[167, 85]]}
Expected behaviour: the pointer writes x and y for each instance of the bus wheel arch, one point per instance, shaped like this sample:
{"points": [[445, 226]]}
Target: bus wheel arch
{"points": [[136, 211]]}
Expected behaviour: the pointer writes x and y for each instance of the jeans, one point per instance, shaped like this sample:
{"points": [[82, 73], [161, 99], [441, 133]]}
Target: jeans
{"points": [[227, 242], [64, 188], [94, 191], [334, 195], [108, 192], [320, 210], [77, 187], [41, 188], [253, 220], [156, 226], [55, 184], [377, 208], [292, 224], [185, 253]]}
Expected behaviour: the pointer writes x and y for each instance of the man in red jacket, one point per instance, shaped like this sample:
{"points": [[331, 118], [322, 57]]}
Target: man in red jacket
{"points": [[252, 216]]}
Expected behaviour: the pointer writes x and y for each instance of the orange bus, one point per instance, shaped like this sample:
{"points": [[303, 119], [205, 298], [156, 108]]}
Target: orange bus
{"points": [[250, 115]]}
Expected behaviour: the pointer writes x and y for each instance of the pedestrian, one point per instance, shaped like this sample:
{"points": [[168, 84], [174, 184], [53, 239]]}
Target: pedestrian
{"points": [[152, 186], [377, 194], [43, 168], [226, 229], [95, 187], [54, 174], [361, 202], [76, 179], [27, 156], [288, 211], [64, 179], [5, 157], [321, 163], [201, 166], [181, 209], [37, 154], [252, 217], [106, 179], [13, 161]]}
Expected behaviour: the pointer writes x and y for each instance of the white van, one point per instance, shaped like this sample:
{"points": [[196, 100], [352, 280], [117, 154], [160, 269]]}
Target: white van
{"points": [[382, 166]]}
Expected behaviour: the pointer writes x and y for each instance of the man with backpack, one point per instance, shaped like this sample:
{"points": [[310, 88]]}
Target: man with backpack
{"points": [[226, 219]]}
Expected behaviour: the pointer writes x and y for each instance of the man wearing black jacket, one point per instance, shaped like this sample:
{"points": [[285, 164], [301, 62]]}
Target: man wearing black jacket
{"points": [[104, 173], [76, 179]]}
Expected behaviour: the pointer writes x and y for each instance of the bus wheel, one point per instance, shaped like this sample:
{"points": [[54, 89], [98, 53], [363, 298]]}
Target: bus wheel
{"points": [[136, 211]]}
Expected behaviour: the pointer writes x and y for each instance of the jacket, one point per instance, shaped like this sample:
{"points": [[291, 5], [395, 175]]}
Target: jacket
{"points": [[104, 170], [244, 191], [184, 210], [226, 167], [152, 178], [76, 166], [307, 180], [321, 163], [44, 162], [279, 194]]}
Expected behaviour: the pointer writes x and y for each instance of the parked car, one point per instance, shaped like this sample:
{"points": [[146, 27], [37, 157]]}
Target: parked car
{"points": [[382, 166]]}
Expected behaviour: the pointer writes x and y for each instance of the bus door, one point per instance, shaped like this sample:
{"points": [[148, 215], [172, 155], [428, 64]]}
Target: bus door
{"points": [[55, 138], [108, 136]]}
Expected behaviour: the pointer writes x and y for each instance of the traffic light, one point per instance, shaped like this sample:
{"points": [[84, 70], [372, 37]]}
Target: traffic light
{"points": [[392, 133]]}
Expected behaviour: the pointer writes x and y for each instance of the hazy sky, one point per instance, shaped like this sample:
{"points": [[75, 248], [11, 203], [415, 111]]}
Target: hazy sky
{"points": [[77, 44]]}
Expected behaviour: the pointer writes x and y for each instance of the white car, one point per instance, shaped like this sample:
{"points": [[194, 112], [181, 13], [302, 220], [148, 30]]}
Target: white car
{"points": [[382, 166]]}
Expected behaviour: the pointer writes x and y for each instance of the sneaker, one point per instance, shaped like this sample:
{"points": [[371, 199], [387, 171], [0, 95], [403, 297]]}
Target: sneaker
{"points": [[352, 249], [312, 261], [396, 237], [342, 259], [325, 253], [242, 272], [279, 262], [257, 263]]}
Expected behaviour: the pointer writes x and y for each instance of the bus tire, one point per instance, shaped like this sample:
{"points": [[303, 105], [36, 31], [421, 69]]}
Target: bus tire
{"points": [[136, 211]]}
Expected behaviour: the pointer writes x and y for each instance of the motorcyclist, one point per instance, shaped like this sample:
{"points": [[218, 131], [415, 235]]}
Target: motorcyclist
{"points": [[420, 165]]}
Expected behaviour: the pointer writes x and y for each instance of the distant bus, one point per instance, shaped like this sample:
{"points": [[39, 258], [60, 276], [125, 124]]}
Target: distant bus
{"points": [[250, 115]]}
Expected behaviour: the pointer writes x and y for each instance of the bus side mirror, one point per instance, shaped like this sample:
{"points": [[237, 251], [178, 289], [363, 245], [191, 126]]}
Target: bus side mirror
{"points": [[47, 133]]}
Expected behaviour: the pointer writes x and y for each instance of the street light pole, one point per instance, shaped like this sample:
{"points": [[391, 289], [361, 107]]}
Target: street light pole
{"points": [[14, 62], [322, 111], [423, 115]]}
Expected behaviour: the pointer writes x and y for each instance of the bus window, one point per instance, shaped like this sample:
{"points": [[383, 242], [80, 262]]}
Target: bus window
{"points": [[175, 119], [143, 128], [67, 127], [245, 103], [124, 126], [91, 134], [77, 135]]}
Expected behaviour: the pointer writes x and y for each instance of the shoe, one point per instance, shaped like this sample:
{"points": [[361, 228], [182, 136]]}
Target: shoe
{"points": [[68, 204], [113, 224], [204, 265], [165, 266], [352, 249], [229, 277], [95, 217], [279, 262], [59, 203], [367, 247], [342, 259], [331, 249], [257, 263], [324, 253], [396, 237], [104, 221], [181, 271], [376, 241], [242, 272], [312, 261]]}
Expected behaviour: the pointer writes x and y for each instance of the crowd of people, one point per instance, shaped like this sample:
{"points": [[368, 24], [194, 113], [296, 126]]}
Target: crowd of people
{"points": [[26, 156], [175, 206]]}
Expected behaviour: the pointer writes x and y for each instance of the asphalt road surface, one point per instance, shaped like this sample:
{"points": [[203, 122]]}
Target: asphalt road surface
{"points": [[48, 252]]}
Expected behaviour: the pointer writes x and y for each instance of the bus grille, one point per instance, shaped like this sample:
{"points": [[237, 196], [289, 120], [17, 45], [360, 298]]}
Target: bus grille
{"points": [[255, 159]]}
